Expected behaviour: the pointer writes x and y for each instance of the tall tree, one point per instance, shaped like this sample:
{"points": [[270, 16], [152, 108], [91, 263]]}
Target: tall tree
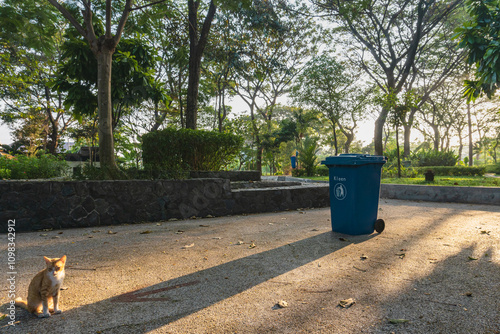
{"points": [[334, 89], [390, 35], [198, 39], [103, 47], [30, 40]]}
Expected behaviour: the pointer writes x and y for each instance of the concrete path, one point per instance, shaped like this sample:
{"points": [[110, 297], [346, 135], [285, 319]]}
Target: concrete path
{"points": [[435, 269]]}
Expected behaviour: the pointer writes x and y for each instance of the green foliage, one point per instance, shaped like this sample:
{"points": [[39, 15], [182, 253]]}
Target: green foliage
{"points": [[493, 168], [23, 167], [453, 170], [187, 149], [307, 156], [435, 158], [322, 170], [391, 171], [132, 76], [480, 38], [4, 173]]}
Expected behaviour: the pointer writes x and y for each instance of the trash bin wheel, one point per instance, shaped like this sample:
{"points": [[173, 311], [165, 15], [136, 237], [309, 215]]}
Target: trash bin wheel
{"points": [[379, 225]]}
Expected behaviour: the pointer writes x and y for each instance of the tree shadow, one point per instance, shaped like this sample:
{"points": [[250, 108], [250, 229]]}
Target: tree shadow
{"points": [[146, 309]]}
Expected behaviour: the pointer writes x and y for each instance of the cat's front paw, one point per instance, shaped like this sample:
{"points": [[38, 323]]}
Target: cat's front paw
{"points": [[44, 315]]}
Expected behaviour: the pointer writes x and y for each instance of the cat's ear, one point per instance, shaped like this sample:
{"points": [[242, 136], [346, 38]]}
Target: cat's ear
{"points": [[63, 259], [47, 260]]}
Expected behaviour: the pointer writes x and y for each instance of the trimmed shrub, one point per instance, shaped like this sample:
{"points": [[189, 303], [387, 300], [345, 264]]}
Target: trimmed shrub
{"points": [[493, 168], [186, 149], [392, 172], [23, 167], [453, 170], [435, 158], [4, 173], [322, 170]]}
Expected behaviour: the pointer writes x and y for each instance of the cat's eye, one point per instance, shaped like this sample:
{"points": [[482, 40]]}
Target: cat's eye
{"points": [[58, 268]]}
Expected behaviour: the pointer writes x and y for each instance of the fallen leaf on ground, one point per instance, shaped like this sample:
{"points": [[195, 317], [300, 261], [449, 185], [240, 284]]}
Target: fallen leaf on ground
{"points": [[64, 288], [43, 234], [252, 245], [217, 238], [486, 232], [173, 219], [146, 232], [282, 304], [96, 231], [398, 321], [111, 232], [187, 246], [179, 232], [240, 242], [472, 258], [158, 224], [3, 316], [346, 303], [468, 294], [401, 256], [343, 239], [363, 257], [204, 225]]}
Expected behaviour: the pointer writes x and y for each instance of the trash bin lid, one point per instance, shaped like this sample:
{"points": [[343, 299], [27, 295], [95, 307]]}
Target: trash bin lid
{"points": [[354, 159]]}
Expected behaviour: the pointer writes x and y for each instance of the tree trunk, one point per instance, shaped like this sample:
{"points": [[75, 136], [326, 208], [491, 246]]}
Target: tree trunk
{"points": [[469, 121], [437, 137], [379, 132], [105, 129], [196, 48]]}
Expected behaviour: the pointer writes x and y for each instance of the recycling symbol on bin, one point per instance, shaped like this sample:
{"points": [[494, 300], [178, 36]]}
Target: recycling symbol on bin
{"points": [[340, 191]]}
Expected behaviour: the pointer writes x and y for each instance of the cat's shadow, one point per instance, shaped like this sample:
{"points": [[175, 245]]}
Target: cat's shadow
{"points": [[155, 306]]}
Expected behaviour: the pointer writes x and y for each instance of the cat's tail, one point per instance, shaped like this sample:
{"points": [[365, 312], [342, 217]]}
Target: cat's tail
{"points": [[21, 303]]}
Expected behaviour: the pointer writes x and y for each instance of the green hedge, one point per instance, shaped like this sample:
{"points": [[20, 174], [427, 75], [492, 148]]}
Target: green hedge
{"points": [[453, 170], [23, 167], [186, 149]]}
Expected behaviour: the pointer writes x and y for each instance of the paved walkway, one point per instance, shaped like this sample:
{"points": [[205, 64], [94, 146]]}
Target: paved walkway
{"points": [[435, 269]]}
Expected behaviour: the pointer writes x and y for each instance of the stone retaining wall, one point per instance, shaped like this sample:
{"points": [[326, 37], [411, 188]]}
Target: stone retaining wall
{"points": [[37, 205]]}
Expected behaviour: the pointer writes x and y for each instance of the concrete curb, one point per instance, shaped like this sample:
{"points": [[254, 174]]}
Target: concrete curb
{"points": [[467, 195]]}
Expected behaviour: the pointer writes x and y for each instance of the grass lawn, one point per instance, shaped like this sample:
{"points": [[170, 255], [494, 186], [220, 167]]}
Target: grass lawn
{"points": [[464, 181]]}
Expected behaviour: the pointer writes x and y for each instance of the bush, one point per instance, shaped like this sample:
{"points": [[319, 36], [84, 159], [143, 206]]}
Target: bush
{"points": [[453, 170], [392, 172], [307, 156], [23, 167], [4, 173], [435, 158], [298, 172], [186, 149], [88, 172], [322, 170], [493, 168]]}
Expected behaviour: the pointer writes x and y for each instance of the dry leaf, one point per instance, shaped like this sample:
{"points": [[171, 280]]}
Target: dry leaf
{"points": [[111, 232], [282, 304], [179, 232], [252, 245], [343, 239], [146, 232], [398, 321], [472, 258], [187, 246], [346, 303]]}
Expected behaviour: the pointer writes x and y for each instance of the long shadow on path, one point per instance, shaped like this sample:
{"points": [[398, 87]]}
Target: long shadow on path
{"points": [[155, 306]]}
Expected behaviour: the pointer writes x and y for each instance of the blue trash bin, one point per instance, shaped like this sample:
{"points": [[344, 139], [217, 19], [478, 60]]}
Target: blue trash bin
{"points": [[354, 192]]}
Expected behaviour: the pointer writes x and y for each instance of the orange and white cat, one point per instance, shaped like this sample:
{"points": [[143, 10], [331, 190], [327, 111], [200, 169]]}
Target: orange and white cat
{"points": [[43, 291]]}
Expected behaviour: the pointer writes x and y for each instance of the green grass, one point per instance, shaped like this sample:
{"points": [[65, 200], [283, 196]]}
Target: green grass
{"points": [[464, 181]]}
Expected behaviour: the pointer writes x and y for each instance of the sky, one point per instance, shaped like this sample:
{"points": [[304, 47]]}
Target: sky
{"points": [[5, 137]]}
